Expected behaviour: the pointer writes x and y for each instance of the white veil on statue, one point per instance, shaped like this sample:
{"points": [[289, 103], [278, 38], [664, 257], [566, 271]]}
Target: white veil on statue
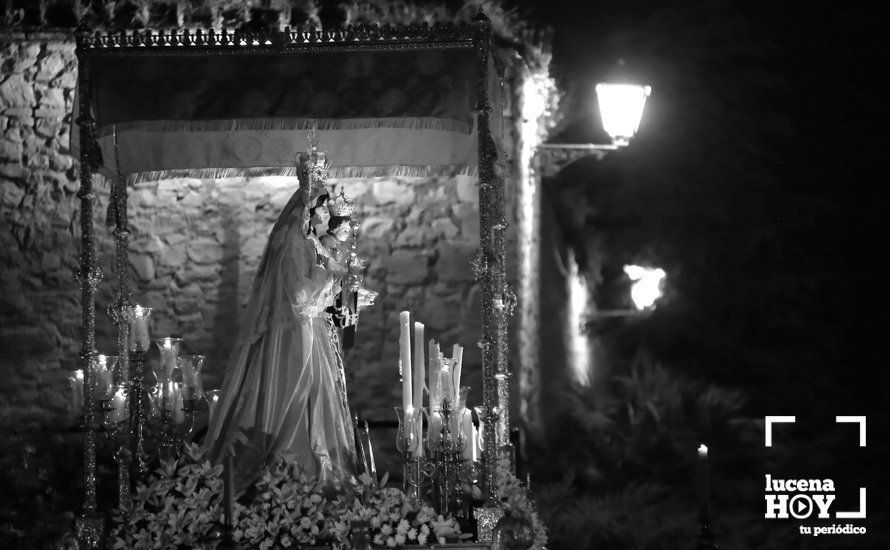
{"points": [[284, 388]]}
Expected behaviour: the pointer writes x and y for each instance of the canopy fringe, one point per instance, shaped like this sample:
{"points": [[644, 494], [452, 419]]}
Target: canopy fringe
{"points": [[334, 172], [234, 125]]}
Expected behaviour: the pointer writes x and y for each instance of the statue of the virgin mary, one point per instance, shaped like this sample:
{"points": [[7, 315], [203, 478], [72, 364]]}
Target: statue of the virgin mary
{"points": [[284, 388]]}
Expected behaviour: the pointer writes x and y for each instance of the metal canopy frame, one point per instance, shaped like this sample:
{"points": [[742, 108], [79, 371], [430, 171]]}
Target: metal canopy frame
{"points": [[488, 266]]}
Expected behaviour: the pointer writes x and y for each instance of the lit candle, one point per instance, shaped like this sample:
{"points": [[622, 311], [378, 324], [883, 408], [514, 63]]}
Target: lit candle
{"points": [[703, 477], [457, 354], [212, 400], [475, 444], [446, 386], [405, 359], [466, 426], [118, 406], [139, 318], [103, 378], [419, 365], [76, 381], [169, 348], [176, 400], [370, 452], [480, 432], [433, 378], [413, 427]]}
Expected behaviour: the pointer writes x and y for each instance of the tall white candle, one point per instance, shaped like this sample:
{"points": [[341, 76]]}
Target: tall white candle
{"points": [[480, 433], [457, 354], [405, 358], [474, 447], [466, 430], [433, 378], [370, 451], [419, 366], [446, 385]]}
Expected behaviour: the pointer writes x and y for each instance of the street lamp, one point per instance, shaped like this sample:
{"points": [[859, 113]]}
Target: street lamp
{"points": [[646, 287], [621, 109]]}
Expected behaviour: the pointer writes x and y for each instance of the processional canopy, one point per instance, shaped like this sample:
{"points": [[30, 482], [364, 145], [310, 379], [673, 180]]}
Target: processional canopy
{"points": [[385, 101]]}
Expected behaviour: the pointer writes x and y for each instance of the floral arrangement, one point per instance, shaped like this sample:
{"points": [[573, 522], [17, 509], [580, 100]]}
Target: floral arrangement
{"points": [[181, 507], [289, 509], [177, 509], [516, 502], [391, 517]]}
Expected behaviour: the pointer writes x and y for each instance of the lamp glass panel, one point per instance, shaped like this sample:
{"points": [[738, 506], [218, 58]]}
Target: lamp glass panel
{"points": [[621, 108]]}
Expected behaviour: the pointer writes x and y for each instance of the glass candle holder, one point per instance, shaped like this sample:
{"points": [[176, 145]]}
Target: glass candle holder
{"points": [[140, 316], [191, 366], [104, 366], [120, 410], [409, 438], [169, 348], [446, 383]]}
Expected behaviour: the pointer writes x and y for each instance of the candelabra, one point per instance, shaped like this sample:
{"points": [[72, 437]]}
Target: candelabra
{"points": [[138, 396], [447, 458], [441, 475]]}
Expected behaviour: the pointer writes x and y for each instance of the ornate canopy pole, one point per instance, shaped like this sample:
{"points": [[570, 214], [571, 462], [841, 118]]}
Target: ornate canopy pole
{"points": [[120, 313], [489, 268], [497, 298], [484, 268], [89, 524]]}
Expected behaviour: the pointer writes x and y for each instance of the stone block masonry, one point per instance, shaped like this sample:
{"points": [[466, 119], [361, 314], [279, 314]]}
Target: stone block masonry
{"points": [[194, 250]]}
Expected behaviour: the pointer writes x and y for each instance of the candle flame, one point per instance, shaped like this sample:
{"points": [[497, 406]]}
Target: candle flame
{"points": [[703, 451]]}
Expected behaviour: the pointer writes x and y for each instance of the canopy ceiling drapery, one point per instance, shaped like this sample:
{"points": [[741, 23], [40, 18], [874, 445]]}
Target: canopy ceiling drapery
{"points": [[378, 111]]}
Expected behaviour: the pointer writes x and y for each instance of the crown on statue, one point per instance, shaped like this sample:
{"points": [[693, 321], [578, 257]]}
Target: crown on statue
{"points": [[312, 170], [341, 206]]}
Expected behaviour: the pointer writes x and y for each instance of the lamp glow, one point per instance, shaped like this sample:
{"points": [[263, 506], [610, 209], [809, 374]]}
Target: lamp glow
{"points": [[647, 285], [579, 297], [621, 108]]}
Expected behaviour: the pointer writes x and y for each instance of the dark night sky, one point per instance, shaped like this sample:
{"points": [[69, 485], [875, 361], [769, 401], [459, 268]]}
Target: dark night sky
{"points": [[792, 87], [755, 182]]}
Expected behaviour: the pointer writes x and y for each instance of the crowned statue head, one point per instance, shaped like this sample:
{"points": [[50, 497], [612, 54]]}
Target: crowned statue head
{"points": [[340, 209]]}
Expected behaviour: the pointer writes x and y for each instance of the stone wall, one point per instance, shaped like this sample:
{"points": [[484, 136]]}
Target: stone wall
{"points": [[196, 245], [39, 300], [194, 249]]}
